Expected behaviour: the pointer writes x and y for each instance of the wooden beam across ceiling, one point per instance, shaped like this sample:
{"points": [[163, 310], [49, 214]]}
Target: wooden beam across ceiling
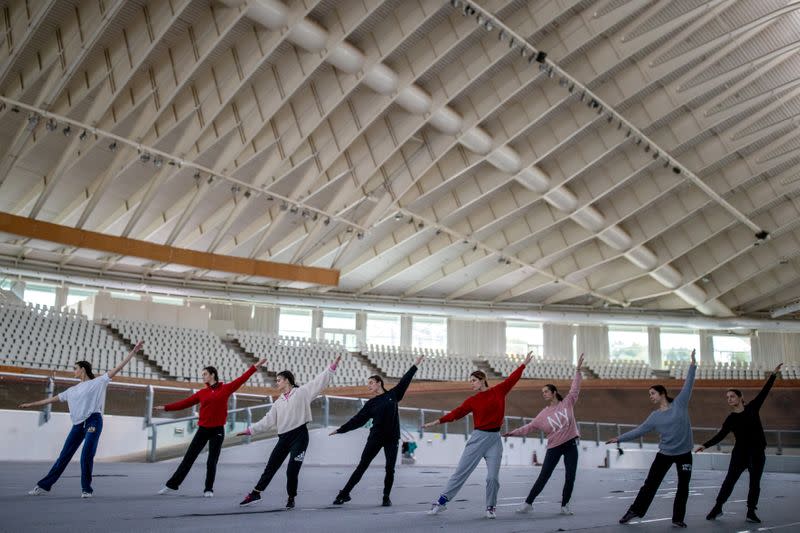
{"points": [[79, 238]]}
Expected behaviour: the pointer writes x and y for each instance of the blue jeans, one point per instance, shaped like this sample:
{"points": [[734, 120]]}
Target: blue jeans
{"points": [[87, 432]]}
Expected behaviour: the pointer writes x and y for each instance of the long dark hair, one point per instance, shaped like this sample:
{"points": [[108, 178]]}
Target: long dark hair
{"points": [[288, 376], [87, 366], [663, 391], [481, 376], [378, 379], [213, 371], [554, 390]]}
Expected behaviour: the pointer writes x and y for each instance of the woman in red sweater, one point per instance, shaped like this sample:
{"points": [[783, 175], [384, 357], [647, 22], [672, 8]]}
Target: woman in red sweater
{"points": [[213, 400], [488, 407]]}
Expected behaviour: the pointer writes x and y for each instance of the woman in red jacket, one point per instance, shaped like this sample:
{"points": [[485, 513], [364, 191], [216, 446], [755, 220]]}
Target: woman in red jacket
{"points": [[488, 407], [213, 400]]}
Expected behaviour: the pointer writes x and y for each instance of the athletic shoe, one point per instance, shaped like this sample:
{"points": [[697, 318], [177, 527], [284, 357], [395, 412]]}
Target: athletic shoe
{"points": [[525, 508], [491, 513], [86, 495], [676, 523], [167, 490], [565, 510], [341, 498], [37, 491], [752, 517], [437, 508], [714, 513], [250, 499], [290, 502], [386, 502], [208, 494], [628, 516]]}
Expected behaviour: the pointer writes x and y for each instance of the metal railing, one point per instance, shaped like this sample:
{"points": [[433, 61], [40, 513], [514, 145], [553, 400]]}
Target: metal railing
{"points": [[412, 418]]}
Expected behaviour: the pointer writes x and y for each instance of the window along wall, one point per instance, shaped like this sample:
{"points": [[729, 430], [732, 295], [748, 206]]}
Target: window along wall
{"points": [[36, 293], [523, 337], [628, 343], [429, 332], [383, 329], [731, 349], [677, 344], [294, 322]]}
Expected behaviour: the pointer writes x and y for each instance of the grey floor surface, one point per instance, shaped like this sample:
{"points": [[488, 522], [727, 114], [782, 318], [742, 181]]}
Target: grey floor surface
{"points": [[125, 501]]}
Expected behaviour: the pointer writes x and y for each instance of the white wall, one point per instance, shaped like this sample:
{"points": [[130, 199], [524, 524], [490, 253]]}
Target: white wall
{"points": [[103, 306]]}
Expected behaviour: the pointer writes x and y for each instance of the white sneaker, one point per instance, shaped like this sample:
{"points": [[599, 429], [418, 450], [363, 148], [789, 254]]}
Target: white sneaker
{"points": [[37, 491], [566, 510], [491, 513], [436, 508], [208, 494], [166, 490], [525, 508], [86, 494]]}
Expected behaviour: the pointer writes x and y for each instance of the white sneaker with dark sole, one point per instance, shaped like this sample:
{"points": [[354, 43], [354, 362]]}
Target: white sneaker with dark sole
{"points": [[525, 508]]}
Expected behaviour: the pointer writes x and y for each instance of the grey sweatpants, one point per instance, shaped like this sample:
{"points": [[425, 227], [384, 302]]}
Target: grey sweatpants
{"points": [[481, 445]]}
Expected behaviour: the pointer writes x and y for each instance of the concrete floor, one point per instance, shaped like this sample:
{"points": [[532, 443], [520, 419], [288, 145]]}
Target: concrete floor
{"points": [[125, 501]]}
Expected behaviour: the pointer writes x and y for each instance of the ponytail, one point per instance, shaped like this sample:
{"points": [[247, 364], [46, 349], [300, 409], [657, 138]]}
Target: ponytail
{"points": [[288, 376], [663, 391], [378, 379], [87, 366], [481, 377], [554, 390]]}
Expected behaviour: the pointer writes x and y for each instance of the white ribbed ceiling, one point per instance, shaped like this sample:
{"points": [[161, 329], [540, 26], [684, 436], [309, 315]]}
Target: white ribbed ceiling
{"points": [[417, 152]]}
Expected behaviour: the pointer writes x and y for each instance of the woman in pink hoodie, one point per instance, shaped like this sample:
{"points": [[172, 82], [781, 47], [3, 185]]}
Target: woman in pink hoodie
{"points": [[558, 421]]}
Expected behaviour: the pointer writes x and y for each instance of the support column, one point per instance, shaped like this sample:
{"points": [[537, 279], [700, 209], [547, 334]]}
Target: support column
{"points": [[405, 331], [654, 346]]}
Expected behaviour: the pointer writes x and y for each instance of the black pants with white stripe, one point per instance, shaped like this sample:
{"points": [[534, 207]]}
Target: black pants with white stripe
{"points": [[292, 444], [659, 469]]}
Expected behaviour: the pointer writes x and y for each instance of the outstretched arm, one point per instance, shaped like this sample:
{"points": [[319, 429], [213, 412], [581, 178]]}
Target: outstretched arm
{"points": [[358, 420], [762, 395], [524, 430], [682, 398], [635, 433], [400, 389], [459, 412], [269, 421], [507, 384], [718, 437], [51, 399], [234, 385], [113, 372], [315, 386], [194, 399], [575, 388]]}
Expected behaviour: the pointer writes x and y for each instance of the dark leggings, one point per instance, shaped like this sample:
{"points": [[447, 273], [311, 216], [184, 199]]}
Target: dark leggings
{"points": [[570, 452], [214, 436], [741, 460], [659, 468], [372, 449], [292, 444]]}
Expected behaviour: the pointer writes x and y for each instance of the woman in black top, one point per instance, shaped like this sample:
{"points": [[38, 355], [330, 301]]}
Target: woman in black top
{"points": [[748, 450], [384, 433]]}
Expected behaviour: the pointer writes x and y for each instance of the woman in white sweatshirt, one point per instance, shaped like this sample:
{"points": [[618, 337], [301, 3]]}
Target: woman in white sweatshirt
{"points": [[290, 414]]}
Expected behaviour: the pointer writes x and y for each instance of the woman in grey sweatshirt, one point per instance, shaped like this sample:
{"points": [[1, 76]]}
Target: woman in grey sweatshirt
{"points": [[671, 421]]}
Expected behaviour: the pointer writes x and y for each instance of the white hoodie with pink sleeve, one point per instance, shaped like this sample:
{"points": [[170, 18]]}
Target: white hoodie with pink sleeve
{"points": [[557, 421]]}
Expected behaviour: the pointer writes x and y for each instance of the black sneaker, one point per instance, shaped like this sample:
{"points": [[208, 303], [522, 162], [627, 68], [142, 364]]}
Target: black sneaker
{"points": [[628, 516], [250, 499], [752, 517], [714, 513], [290, 502], [679, 523], [341, 498], [386, 502]]}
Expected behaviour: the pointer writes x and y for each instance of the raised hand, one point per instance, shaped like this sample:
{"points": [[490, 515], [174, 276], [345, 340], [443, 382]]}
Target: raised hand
{"points": [[612, 440], [528, 358], [260, 363], [336, 361], [580, 362], [419, 360], [699, 449], [777, 368], [694, 360]]}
